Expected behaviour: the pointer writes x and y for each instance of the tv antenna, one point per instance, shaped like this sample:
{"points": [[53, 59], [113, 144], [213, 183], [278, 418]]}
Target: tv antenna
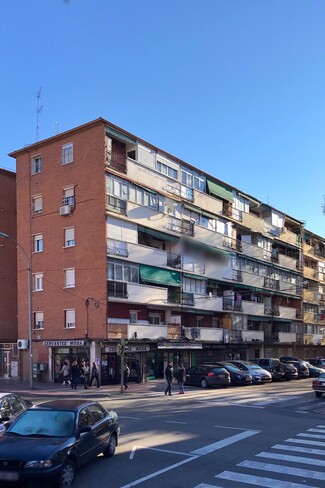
{"points": [[39, 109]]}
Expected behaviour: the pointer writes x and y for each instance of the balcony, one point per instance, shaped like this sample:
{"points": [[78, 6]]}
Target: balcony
{"points": [[174, 260], [271, 283], [284, 337], [150, 332], [313, 339], [274, 310], [253, 335], [117, 289], [237, 275], [231, 304], [232, 213], [116, 205], [117, 251], [181, 226], [319, 318], [180, 298], [117, 163], [203, 334]]}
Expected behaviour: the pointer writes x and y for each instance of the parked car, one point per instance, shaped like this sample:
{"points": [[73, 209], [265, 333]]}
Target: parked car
{"points": [[50, 441], [319, 362], [205, 375], [11, 405], [314, 371], [303, 371], [259, 375], [290, 371], [273, 365], [237, 376], [318, 385]]}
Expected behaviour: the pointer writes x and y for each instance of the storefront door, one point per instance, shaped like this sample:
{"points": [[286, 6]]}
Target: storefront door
{"points": [[110, 369]]}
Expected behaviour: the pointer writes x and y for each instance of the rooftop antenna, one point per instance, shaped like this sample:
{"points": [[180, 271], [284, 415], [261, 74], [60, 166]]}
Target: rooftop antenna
{"points": [[55, 127], [39, 109]]}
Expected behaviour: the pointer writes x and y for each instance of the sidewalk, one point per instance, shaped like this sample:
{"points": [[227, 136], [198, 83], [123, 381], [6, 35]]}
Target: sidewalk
{"points": [[41, 390]]}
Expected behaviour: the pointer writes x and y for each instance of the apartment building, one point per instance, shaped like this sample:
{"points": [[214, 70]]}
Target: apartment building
{"points": [[8, 276], [129, 242]]}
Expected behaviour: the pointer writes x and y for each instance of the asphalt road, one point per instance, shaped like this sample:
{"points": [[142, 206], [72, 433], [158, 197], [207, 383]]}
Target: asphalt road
{"points": [[266, 435]]}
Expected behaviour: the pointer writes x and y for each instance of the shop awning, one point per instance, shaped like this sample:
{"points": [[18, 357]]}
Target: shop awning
{"points": [[159, 276], [219, 191], [157, 234], [258, 319], [194, 277]]}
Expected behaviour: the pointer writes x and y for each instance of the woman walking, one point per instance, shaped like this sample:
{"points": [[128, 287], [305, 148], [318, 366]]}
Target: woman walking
{"points": [[181, 378]]}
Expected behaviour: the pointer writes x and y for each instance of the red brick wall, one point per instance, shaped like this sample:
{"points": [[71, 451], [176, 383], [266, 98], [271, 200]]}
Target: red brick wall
{"points": [[8, 257], [88, 257]]}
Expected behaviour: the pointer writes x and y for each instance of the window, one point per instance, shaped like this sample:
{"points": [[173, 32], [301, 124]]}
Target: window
{"points": [[193, 179], [69, 278], [38, 282], [37, 204], [143, 197], [194, 286], [154, 318], [69, 319], [118, 248], [166, 170], [69, 237], [68, 196], [38, 320], [67, 153], [133, 317], [36, 165], [123, 271], [38, 243]]}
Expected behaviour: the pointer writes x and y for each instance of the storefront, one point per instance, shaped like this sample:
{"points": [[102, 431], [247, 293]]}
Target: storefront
{"points": [[66, 351], [134, 356]]}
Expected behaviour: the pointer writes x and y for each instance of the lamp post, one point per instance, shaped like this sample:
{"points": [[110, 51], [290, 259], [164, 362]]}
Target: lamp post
{"points": [[30, 330]]}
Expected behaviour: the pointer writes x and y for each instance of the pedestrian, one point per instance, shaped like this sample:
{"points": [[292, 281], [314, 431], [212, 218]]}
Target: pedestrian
{"points": [[83, 376], [181, 378], [94, 374], [65, 371], [75, 374], [126, 375], [169, 373], [87, 371]]}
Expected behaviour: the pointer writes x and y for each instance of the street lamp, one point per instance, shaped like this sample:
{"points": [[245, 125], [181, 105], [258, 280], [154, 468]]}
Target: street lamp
{"points": [[30, 330]]}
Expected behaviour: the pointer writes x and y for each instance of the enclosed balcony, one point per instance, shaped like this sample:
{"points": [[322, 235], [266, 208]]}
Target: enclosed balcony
{"points": [[253, 335], [203, 334]]}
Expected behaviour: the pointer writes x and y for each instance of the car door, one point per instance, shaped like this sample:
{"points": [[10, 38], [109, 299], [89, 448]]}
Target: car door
{"points": [[102, 426], [87, 445]]}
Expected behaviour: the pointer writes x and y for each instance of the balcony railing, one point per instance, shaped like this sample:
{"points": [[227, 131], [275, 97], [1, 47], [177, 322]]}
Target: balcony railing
{"points": [[116, 251], [271, 283], [181, 298], [116, 205], [233, 213], [174, 260], [231, 304], [182, 226], [118, 163], [237, 275], [273, 310]]}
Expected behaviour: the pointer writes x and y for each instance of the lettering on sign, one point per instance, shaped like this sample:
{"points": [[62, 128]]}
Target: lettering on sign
{"points": [[63, 343]]}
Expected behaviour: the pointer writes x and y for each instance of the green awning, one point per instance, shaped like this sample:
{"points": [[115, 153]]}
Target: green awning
{"points": [[258, 319], [118, 135], [194, 277], [220, 191], [192, 209], [157, 234], [144, 188], [200, 211], [159, 276]]}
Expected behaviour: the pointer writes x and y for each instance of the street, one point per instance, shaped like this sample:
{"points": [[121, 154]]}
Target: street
{"points": [[267, 435]]}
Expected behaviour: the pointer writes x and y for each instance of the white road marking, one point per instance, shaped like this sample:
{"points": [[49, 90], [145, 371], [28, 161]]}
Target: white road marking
{"points": [[260, 481], [316, 436], [303, 441], [292, 459], [225, 442], [174, 422], [320, 431], [159, 450], [246, 406], [306, 450], [320, 426], [157, 473], [132, 418], [203, 485], [275, 468], [224, 427], [277, 400]]}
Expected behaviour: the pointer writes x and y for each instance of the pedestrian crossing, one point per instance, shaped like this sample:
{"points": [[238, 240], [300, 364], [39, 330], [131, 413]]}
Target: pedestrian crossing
{"points": [[298, 462]]}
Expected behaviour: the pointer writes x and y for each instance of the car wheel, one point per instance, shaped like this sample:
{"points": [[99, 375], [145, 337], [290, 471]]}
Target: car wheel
{"points": [[68, 474], [318, 394], [204, 383], [110, 449]]}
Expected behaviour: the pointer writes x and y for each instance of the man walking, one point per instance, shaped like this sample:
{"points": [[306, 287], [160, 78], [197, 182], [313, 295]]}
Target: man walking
{"points": [[181, 378], [169, 373]]}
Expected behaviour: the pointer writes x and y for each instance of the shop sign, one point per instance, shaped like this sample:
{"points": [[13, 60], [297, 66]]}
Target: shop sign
{"points": [[138, 348], [63, 343], [110, 348], [179, 345]]}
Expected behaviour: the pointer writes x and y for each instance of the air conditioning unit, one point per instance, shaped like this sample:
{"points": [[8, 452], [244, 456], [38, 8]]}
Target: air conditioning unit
{"points": [[65, 210], [22, 344]]}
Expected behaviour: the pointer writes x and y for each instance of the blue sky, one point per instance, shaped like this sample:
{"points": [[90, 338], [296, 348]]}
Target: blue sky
{"points": [[234, 87]]}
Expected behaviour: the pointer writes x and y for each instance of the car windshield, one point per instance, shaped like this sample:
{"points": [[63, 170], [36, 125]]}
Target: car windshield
{"points": [[253, 366], [44, 423]]}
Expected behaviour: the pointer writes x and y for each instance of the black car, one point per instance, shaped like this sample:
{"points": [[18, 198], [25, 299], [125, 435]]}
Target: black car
{"points": [[302, 368], [314, 371], [49, 442], [12, 405], [319, 362], [237, 376], [205, 375], [290, 371]]}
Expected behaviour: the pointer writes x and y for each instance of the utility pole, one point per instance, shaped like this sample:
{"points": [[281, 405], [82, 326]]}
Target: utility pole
{"points": [[120, 352]]}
